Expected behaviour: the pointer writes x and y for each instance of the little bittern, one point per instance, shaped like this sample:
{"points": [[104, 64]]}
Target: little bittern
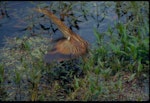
{"points": [[71, 47]]}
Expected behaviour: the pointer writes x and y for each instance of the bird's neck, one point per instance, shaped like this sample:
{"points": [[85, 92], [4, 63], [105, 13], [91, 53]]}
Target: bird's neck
{"points": [[61, 26]]}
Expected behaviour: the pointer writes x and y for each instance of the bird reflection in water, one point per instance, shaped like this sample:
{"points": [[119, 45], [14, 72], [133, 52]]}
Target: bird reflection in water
{"points": [[70, 47]]}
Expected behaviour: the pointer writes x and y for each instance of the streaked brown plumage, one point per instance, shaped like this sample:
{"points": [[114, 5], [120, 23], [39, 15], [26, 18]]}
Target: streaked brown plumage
{"points": [[69, 48]]}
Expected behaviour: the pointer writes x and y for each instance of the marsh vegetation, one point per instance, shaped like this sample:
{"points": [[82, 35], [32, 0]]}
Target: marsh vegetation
{"points": [[117, 65]]}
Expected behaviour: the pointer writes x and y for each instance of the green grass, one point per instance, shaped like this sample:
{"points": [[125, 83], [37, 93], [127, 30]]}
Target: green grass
{"points": [[112, 72]]}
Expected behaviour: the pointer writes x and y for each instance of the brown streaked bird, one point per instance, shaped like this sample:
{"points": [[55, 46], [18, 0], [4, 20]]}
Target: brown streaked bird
{"points": [[71, 47]]}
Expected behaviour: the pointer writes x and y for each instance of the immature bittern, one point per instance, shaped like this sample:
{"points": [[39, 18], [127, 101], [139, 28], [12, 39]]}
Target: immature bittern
{"points": [[71, 47]]}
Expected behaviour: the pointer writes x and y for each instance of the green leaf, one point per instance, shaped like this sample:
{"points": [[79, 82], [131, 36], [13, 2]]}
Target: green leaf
{"points": [[97, 70], [76, 83], [98, 35], [132, 77], [1, 73], [140, 67], [17, 77], [26, 46]]}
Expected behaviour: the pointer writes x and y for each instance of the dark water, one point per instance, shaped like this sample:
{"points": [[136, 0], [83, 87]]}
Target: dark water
{"points": [[12, 20], [16, 13]]}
